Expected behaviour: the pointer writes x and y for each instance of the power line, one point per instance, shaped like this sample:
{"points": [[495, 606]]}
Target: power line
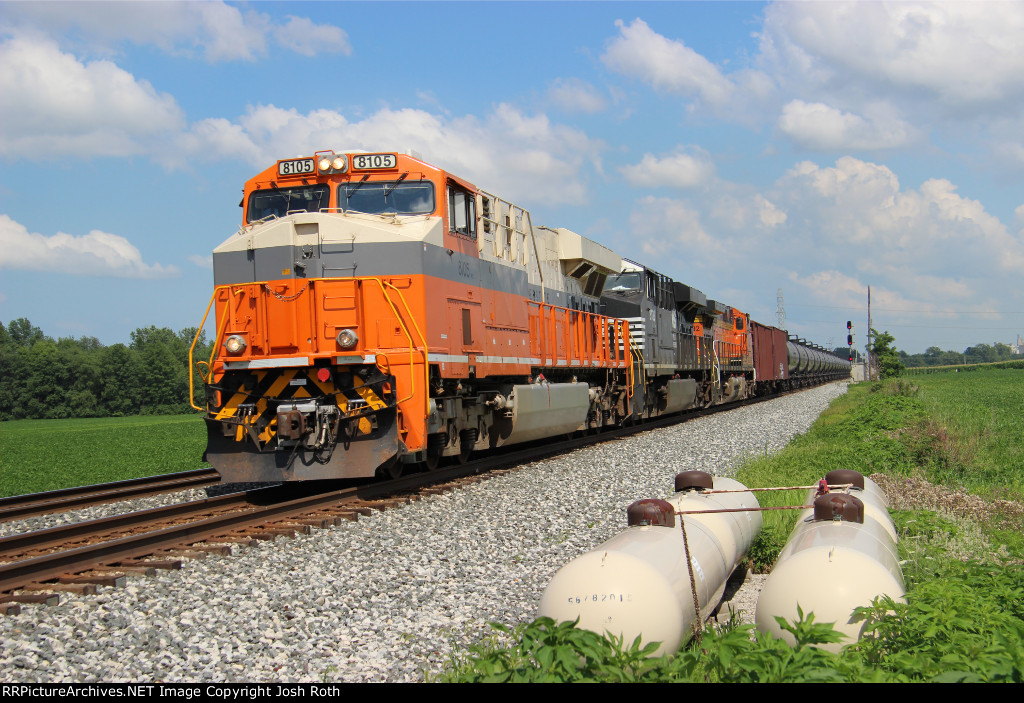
{"points": [[941, 312], [895, 325]]}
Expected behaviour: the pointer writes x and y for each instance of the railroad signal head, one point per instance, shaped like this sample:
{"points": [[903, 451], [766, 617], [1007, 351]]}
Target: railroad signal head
{"points": [[849, 339], [849, 324]]}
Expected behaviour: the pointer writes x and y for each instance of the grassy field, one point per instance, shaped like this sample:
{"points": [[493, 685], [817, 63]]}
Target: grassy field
{"points": [[960, 431], [978, 419], [951, 443], [43, 455]]}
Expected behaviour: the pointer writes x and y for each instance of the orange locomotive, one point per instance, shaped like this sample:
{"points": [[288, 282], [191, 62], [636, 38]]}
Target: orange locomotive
{"points": [[375, 311]]}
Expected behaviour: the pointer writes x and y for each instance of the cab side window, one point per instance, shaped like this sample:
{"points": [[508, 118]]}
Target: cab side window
{"points": [[461, 212]]}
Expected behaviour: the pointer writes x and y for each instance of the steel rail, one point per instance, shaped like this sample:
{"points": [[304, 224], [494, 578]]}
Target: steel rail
{"points": [[22, 506], [20, 573], [12, 546], [24, 571]]}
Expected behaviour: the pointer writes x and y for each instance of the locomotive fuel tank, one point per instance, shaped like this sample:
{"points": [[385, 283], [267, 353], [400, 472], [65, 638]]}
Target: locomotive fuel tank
{"points": [[539, 410]]}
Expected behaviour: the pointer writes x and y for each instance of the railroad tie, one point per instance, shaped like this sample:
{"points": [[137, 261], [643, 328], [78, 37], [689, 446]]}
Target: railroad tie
{"points": [[82, 589]]}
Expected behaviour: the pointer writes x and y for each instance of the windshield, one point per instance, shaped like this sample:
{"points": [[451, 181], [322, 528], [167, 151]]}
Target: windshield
{"points": [[623, 282], [384, 196], [263, 203]]}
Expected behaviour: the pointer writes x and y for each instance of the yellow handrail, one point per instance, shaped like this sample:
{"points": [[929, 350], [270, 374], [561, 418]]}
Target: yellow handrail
{"points": [[195, 340], [412, 346]]}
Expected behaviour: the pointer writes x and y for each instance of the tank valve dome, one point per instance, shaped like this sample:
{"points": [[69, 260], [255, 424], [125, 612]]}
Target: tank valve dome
{"points": [[651, 511], [841, 476], [694, 480], [832, 506]]}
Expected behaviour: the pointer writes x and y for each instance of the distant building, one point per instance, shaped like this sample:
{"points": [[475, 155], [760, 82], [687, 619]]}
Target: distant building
{"points": [[1018, 348]]}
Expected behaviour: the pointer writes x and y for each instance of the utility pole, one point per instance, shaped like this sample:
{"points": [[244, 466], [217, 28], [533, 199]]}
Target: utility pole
{"points": [[869, 369]]}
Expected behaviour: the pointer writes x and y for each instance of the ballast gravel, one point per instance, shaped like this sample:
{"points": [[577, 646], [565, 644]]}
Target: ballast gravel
{"points": [[392, 596]]}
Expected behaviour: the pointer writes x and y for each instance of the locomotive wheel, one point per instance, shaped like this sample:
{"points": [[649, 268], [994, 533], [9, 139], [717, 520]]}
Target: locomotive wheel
{"points": [[467, 438], [433, 458], [436, 444], [392, 468]]}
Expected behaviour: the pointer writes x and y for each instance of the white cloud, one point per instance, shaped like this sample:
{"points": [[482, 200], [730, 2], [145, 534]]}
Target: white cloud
{"points": [[857, 213], [575, 95], [212, 29], [957, 53], [830, 231], [665, 64], [94, 254], [665, 227], [830, 286], [677, 170], [846, 76], [769, 215], [304, 37], [203, 262], [53, 104], [819, 127], [515, 155]]}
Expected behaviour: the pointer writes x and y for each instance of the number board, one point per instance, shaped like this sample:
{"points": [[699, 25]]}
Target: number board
{"points": [[296, 167], [368, 162]]}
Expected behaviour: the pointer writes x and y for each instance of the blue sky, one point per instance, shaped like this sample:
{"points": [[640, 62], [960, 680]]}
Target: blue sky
{"points": [[739, 147]]}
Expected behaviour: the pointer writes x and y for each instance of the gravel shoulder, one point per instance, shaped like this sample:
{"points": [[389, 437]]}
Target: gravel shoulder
{"points": [[392, 595]]}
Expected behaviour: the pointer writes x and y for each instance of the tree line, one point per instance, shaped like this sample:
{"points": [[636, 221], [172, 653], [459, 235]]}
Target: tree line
{"points": [[978, 354], [43, 378]]}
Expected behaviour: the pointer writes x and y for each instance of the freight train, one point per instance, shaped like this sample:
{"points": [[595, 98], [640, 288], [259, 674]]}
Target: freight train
{"points": [[375, 312]]}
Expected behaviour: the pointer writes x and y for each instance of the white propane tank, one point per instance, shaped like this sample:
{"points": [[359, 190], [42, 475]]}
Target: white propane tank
{"points": [[638, 583], [841, 556]]}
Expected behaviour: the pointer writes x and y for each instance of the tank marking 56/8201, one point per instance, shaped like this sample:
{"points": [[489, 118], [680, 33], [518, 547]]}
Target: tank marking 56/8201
{"points": [[602, 598]]}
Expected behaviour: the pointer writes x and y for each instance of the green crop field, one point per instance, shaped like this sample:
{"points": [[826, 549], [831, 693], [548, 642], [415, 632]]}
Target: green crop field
{"points": [[43, 455], [979, 419], [958, 430]]}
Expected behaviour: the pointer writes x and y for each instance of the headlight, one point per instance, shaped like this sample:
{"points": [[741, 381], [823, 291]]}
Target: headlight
{"points": [[235, 344], [340, 163], [324, 164], [347, 338]]}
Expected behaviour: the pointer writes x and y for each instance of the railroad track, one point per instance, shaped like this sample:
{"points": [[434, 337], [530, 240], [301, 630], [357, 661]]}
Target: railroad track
{"points": [[80, 556], [20, 507]]}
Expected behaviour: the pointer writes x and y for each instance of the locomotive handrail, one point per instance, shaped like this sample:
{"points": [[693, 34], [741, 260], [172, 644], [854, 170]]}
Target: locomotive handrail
{"points": [[631, 375], [426, 361], [213, 352]]}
